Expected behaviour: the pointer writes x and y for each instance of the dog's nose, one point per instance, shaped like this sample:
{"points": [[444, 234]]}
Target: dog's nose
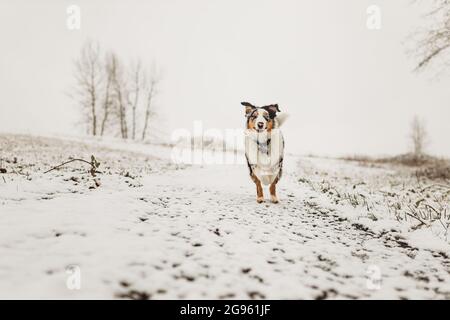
{"points": [[260, 125]]}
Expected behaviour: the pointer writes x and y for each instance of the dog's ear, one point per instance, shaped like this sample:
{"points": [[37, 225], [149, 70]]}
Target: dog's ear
{"points": [[248, 107], [272, 109]]}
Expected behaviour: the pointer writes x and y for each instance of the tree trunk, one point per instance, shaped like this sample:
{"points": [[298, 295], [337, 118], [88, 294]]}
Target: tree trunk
{"points": [[105, 107], [136, 99], [94, 116], [147, 113], [122, 115]]}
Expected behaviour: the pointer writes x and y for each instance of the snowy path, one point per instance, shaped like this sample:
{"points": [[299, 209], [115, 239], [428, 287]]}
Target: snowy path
{"points": [[198, 233]]}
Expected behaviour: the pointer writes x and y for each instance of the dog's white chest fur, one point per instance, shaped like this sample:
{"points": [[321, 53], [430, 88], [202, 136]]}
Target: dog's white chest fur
{"points": [[264, 152], [266, 176]]}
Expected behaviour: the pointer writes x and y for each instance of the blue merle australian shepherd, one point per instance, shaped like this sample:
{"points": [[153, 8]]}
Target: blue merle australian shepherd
{"points": [[264, 147]]}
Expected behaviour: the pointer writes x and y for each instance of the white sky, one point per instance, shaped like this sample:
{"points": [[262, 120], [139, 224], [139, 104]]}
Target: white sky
{"points": [[347, 89]]}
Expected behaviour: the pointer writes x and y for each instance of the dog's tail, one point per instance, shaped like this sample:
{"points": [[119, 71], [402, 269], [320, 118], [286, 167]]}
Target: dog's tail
{"points": [[282, 118]]}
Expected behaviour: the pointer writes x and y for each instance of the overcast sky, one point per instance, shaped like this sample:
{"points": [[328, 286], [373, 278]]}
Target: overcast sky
{"points": [[347, 89]]}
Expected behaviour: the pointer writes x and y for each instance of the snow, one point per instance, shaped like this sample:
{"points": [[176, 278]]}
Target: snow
{"points": [[159, 230]]}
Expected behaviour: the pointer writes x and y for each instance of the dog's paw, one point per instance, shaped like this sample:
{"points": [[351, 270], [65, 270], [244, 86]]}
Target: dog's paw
{"points": [[260, 199], [274, 199]]}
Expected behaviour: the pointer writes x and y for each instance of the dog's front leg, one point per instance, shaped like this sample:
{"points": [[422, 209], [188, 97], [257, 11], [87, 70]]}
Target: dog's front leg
{"points": [[273, 191], [259, 189]]}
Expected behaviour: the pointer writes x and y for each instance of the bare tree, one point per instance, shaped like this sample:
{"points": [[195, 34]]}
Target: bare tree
{"points": [[112, 96], [88, 73], [136, 88], [151, 81], [121, 95], [434, 42], [418, 136], [110, 71]]}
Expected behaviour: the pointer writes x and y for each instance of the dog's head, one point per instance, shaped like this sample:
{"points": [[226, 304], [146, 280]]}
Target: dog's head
{"points": [[260, 118]]}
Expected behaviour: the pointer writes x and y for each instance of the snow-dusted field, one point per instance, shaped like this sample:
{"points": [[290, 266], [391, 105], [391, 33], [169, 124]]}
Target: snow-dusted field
{"points": [[147, 228]]}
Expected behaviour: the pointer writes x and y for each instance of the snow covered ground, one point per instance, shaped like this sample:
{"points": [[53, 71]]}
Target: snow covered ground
{"points": [[145, 228]]}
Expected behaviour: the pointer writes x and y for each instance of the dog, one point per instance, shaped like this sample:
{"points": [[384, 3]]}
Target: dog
{"points": [[264, 147]]}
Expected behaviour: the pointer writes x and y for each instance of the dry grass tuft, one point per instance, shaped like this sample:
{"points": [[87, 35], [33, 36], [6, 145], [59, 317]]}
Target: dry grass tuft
{"points": [[418, 195], [423, 166]]}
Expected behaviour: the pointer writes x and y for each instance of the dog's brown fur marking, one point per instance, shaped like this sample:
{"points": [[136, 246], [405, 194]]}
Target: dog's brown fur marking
{"points": [[251, 119], [259, 189], [248, 109], [273, 190], [269, 125], [251, 123]]}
